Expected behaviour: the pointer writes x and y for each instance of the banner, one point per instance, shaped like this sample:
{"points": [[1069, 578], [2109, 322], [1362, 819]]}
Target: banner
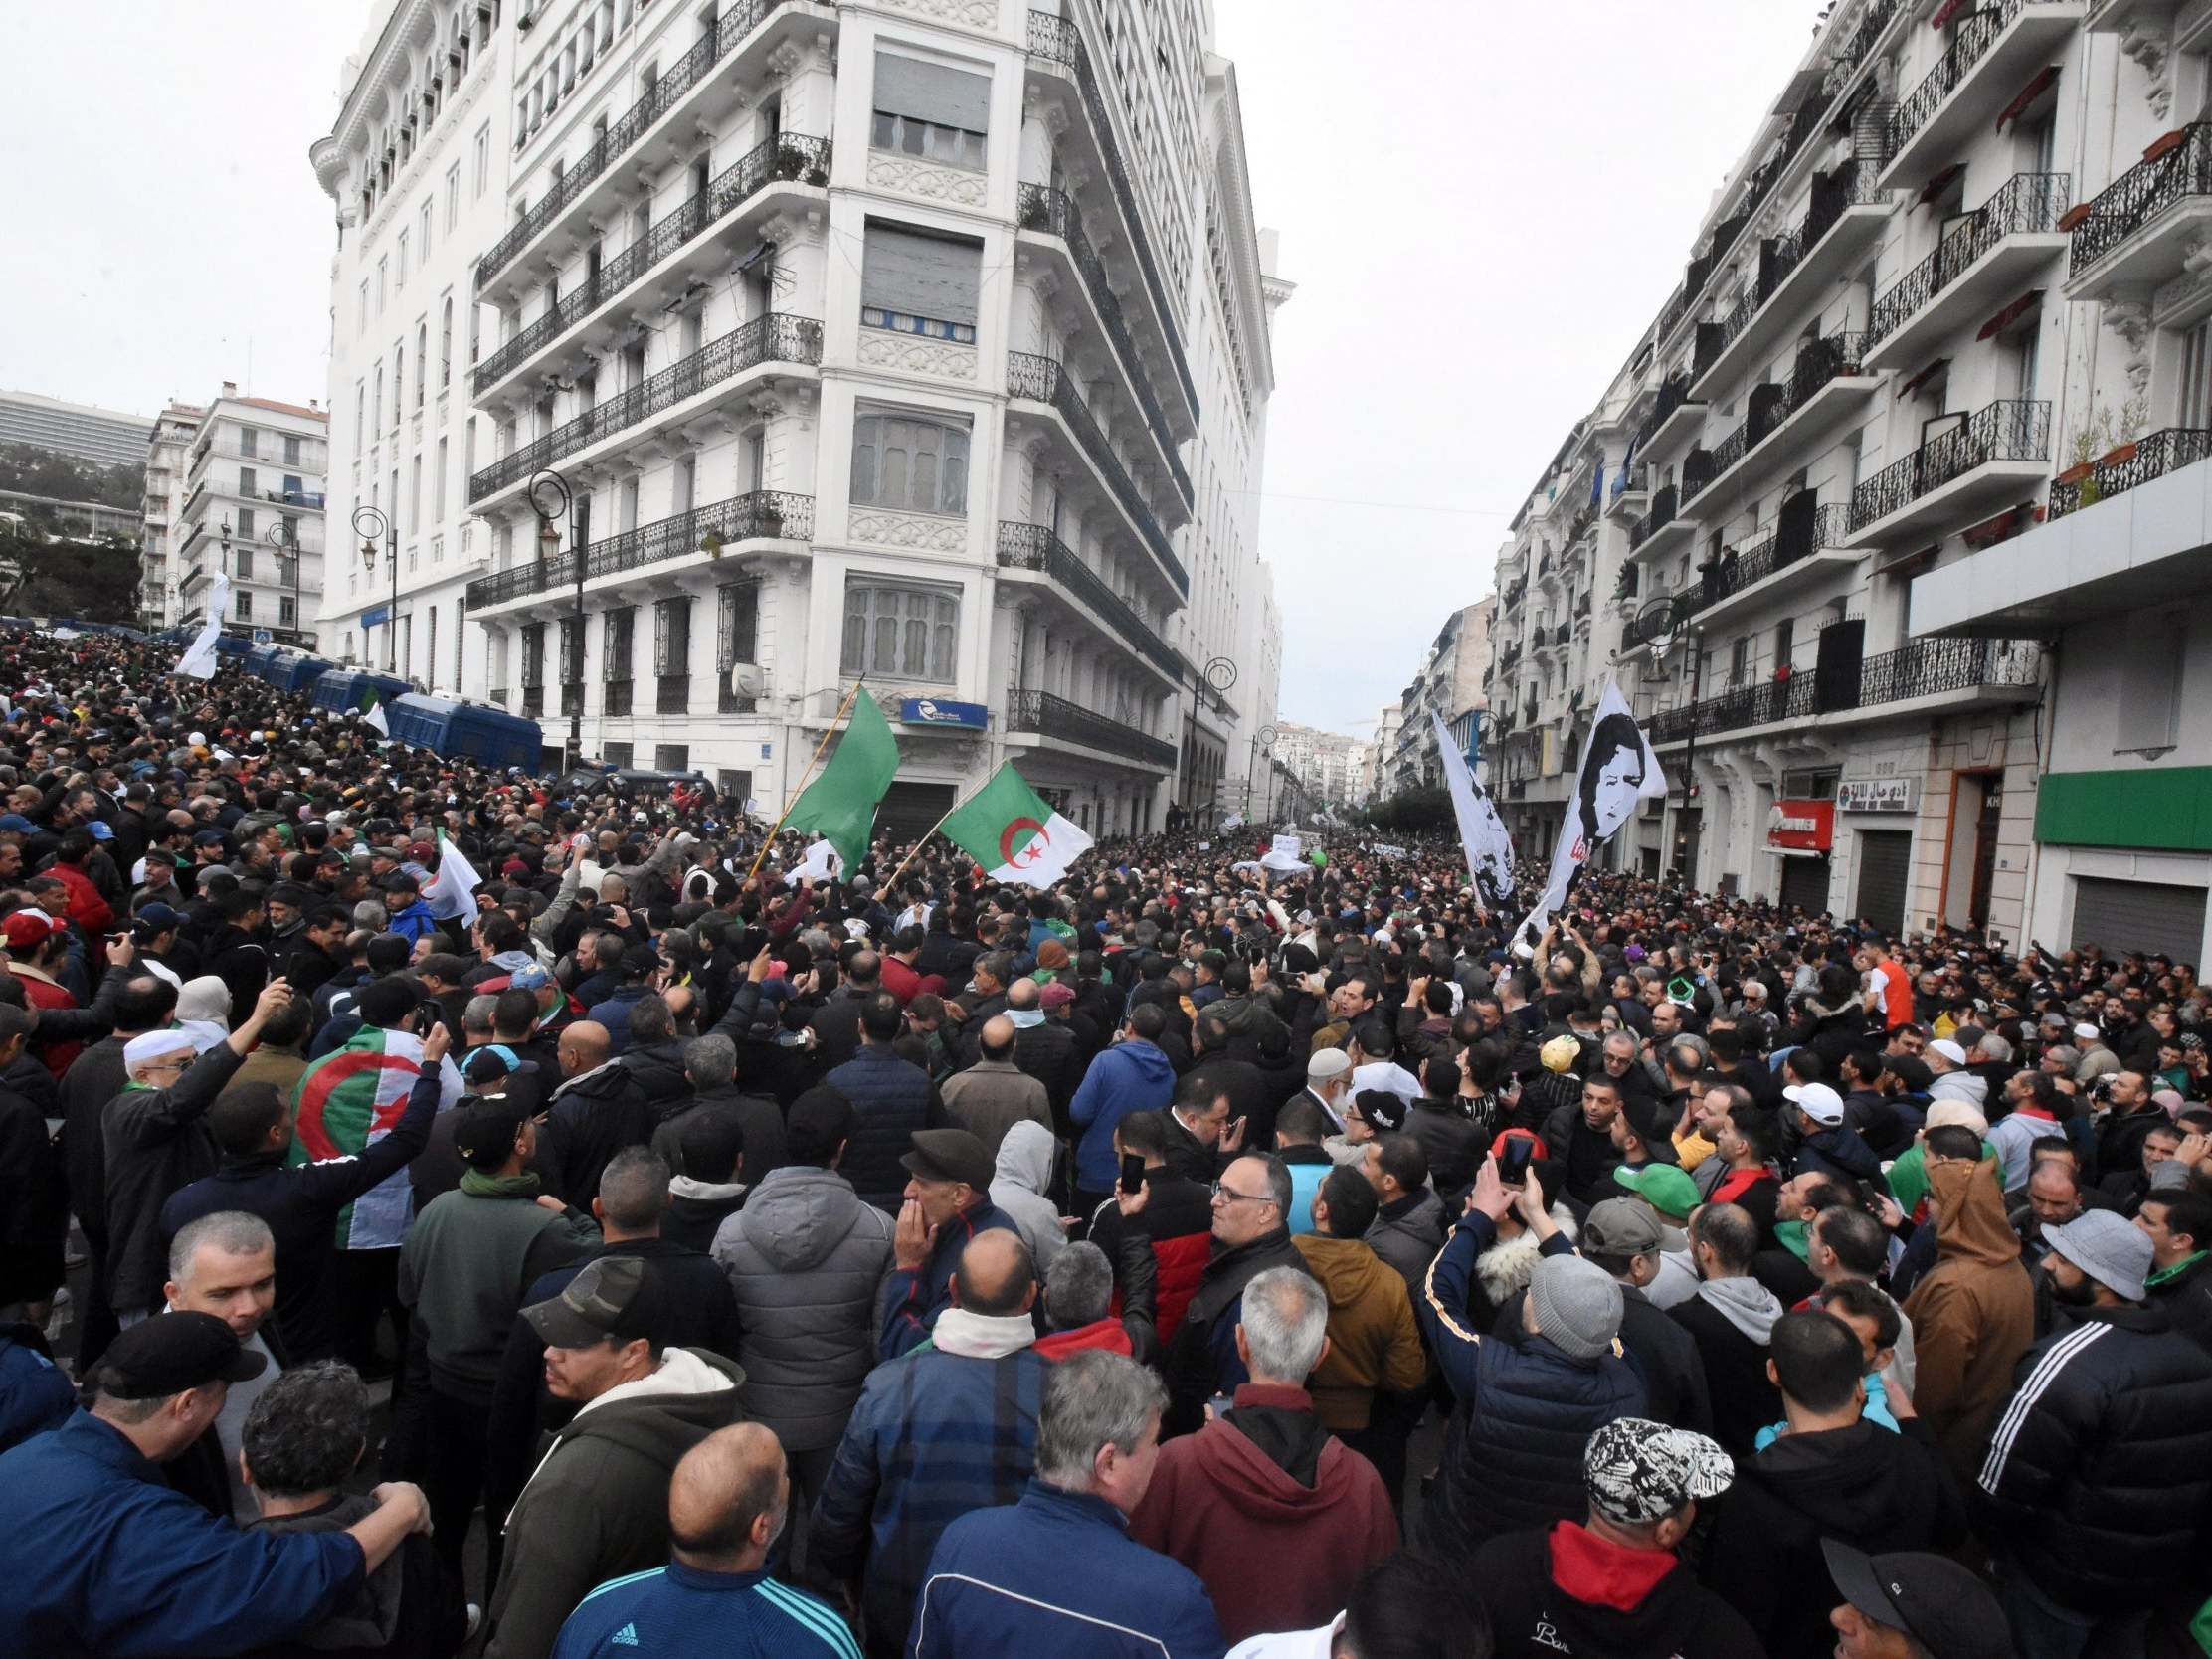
{"points": [[1617, 770], [1482, 833], [1284, 854], [199, 657], [452, 892]]}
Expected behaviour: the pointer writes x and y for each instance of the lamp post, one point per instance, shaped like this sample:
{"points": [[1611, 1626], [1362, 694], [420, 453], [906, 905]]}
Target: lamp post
{"points": [[223, 535], [1263, 743], [285, 540], [368, 524], [552, 500]]}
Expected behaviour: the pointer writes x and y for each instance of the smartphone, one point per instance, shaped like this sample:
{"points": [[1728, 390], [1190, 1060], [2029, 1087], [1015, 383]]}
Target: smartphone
{"points": [[1514, 1160], [1132, 1172]]}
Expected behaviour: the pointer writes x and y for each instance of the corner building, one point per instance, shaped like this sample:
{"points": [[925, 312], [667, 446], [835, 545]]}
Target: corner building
{"points": [[922, 342]]}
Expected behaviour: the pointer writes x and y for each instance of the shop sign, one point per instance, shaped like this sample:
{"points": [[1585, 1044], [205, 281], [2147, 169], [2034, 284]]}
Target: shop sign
{"points": [[1877, 794]]}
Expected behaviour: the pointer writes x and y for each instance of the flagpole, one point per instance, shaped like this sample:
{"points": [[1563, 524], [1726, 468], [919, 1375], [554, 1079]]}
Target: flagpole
{"points": [[761, 857], [890, 882]]}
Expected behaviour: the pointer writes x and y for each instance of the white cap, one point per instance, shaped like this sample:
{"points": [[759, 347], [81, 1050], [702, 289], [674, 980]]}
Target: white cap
{"points": [[1949, 1050], [152, 1045], [1817, 1101], [196, 739], [2086, 1033]]}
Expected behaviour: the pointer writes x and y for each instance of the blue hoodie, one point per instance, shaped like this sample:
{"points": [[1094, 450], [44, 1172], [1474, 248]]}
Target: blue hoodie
{"points": [[1132, 1076]]}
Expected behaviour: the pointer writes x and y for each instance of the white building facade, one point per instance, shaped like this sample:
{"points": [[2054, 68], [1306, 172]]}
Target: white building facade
{"points": [[919, 343], [168, 457], [254, 491], [1452, 682]]}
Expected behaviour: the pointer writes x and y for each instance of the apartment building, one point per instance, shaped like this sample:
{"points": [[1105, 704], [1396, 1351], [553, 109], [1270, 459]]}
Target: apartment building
{"points": [[1377, 780], [254, 491], [1452, 682], [104, 437], [1326, 763], [168, 452]]}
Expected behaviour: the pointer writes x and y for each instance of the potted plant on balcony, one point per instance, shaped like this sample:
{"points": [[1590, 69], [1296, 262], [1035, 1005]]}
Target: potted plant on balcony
{"points": [[795, 164], [1036, 212], [771, 521], [711, 544]]}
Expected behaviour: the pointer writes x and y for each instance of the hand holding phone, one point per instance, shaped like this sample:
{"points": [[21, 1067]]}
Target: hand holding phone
{"points": [[1131, 1172], [1514, 1159]]}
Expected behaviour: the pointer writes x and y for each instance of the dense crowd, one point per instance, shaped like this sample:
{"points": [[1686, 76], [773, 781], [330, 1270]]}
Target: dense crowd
{"points": [[1190, 1259]]}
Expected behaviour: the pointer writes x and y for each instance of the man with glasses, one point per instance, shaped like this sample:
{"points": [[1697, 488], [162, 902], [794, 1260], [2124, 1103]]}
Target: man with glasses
{"points": [[1251, 1204]]}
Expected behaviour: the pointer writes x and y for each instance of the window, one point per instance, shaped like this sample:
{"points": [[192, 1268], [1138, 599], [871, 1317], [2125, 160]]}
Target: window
{"points": [[243, 563], [242, 608], [292, 450], [671, 636], [421, 232], [287, 612], [930, 110], [1785, 637], [399, 381], [482, 176], [361, 319], [2196, 376], [438, 499], [249, 482], [914, 282], [430, 642], [737, 626], [616, 631], [399, 279], [910, 463], [248, 441], [406, 648], [381, 272], [379, 411], [533, 655], [445, 345], [453, 197], [900, 629], [414, 495], [671, 757], [422, 360], [245, 530]]}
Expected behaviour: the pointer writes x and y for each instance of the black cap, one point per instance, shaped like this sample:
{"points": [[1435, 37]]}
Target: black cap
{"points": [[950, 1155], [1386, 1109], [1932, 1598], [614, 1298], [486, 1137], [170, 1353]]}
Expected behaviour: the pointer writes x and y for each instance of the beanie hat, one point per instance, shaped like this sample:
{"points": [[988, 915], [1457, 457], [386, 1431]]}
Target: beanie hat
{"points": [[1576, 1306], [1559, 1053]]}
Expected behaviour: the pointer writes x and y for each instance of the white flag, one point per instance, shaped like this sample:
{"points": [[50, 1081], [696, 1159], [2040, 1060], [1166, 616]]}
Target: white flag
{"points": [[1619, 768], [1482, 833], [1235, 821], [822, 864], [452, 891], [200, 656], [372, 713]]}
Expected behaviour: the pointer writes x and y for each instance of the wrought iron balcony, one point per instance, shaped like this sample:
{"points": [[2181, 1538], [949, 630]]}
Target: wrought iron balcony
{"points": [[1056, 41], [1041, 380], [1922, 669], [308, 499], [785, 157], [1782, 547], [2028, 202], [1852, 186], [774, 338], [1818, 363], [1054, 211], [1056, 718], [1034, 547], [2131, 464], [1989, 45], [763, 515], [2017, 430], [1658, 518], [2143, 195], [1844, 61], [719, 35]]}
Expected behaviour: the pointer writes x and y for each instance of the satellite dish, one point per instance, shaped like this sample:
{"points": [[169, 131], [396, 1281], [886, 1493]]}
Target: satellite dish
{"points": [[745, 680], [1655, 620]]}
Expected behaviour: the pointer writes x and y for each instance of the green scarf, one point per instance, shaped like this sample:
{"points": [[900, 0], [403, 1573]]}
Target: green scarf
{"points": [[2165, 1275], [480, 1184], [1795, 1237]]}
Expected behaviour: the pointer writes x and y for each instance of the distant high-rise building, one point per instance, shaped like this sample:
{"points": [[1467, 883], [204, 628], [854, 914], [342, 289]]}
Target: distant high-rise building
{"points": [[254, 508], [104, 437]]}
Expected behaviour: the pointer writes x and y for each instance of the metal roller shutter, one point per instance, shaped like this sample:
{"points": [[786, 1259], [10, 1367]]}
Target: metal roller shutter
{"points": [[921, 275], [2146, 916], [1805, 885], [1884, 873], [931, 92], [909, 810]]}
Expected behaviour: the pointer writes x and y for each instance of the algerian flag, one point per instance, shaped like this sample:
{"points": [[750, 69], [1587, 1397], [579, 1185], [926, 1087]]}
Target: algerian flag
{"points": [[199, 657], [1007, 828], [371, 715], [350, 1099], [842, 803], [453, 890]]}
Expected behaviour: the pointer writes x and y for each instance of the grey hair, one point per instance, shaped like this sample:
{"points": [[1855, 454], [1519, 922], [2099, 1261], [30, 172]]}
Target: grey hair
{"points": [[1078, 1287], [1996, 1049], [1285, 1318], [1093, 1400], [1278, 1180], [306, 1430], [476, 1016], [649, 1019], [369, 914], [232, 1231], [710, 1061]]}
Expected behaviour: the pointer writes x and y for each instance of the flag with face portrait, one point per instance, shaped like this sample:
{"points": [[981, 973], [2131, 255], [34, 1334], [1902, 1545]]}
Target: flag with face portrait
{"points": [[1482, 833], [1618, 769]]}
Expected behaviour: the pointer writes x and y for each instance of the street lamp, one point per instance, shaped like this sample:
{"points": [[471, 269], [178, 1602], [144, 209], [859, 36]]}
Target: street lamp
{"points": [[285, 540], [370, 523], [552, 500], [1263, 743]]}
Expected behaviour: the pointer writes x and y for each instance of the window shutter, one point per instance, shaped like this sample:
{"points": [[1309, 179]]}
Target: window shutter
{"points": [[921, 275], [931, 92]]}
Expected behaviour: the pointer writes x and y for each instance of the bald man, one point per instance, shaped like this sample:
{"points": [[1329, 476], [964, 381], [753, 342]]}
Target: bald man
{"points": [[726, 1504], [600, 1109], [994, 1093]]}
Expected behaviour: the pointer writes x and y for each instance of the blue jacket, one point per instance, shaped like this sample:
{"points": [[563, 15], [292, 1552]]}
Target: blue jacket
{"points": [[614, 1013], [100, 1558], [891, 1098], [1001, 1583], [1513, 1456], [681, 1611], [1132, 1076], [34, 1392], [933, 1436], [909, 1303], [413, 922]]}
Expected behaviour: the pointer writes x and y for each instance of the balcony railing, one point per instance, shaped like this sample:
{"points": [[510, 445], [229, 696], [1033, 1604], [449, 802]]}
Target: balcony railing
{"points": [[1056, 717], [295, 498], [1844, 61], [533, 701], [764, 514], [1818, 363], [1034, 547], [1673, 394], [1922, 668], [718, 37], [1742, 568], [1854, 187], [2025, 203], [1055, 213], [1658, 518], [1977, 32], [1054, 40], [673, 694], [1044, 381], [774, 338], [2142, 460], [2142, 194], [2012, 430], [787, 156]]}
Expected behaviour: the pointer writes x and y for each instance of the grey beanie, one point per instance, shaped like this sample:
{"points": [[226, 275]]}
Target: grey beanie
{"points": [[1576, 1306]]}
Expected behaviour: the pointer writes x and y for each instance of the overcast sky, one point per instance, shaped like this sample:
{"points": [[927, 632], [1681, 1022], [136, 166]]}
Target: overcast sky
{"points": [[1481, 203]]}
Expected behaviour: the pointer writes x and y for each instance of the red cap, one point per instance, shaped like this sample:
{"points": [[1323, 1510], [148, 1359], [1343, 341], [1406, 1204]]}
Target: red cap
{"points": [[27, 929]]}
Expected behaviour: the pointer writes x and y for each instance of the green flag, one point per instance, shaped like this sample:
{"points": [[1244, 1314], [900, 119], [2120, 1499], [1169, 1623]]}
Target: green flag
{"points": [[842, 803], [1007, 828]]}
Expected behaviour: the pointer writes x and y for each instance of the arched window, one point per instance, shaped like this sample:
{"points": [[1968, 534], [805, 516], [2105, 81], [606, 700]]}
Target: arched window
{"points": [[446, 346]]}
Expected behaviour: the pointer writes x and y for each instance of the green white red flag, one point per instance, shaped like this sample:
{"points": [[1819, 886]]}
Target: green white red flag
{"points": [[1007, 828], [351, 1098]]}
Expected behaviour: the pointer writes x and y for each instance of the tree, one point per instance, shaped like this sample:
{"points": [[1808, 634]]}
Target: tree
{"points": [[1413, 809], [96, 580], [38, 472]]}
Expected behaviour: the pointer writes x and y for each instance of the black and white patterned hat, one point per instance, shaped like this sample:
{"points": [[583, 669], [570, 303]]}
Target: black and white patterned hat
{"points": [[1639, 1471]]}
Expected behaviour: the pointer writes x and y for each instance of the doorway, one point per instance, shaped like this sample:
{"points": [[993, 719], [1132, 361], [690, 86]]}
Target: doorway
{"points": [[1971, 860]]}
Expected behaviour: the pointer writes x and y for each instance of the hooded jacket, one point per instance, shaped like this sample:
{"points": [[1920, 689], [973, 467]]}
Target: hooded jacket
{"points": [[1569, 1593], [1133, 1076], [1972, 1314], [1732, 1320], [657, 1069], [1276, 1516], [805, 1258], [1503, 1270], [759, 1120], [1962, 1085], [594, 1115], [596, 1506], [1017, 1186], [1873, 1489], [1838, 1151], [408, 1608], [1408, 1234], [1374, 1342]]}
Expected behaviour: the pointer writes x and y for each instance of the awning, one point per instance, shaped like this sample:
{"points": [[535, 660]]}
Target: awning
{"points": [[1795, 852], [1801, 87], [1935, 186], [1924, 377], [2011, 314], [1945, 12], [2026, 95]]}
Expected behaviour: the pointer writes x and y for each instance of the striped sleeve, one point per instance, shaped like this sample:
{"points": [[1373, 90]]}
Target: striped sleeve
{"points": [[813, 1622], [2036, 1438]]}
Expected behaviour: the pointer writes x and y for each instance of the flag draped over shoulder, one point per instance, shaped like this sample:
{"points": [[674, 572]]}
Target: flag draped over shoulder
{"points": [[452, 892], [1482, 833], [350, 1099], [200, 656], [1007, 828], [842, 803], [1617, 770]]}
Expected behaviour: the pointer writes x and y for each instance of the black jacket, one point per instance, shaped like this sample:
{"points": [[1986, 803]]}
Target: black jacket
{"points": [[1590, 1155], [1534, 1616], [2099, 1470], [1666, 1355], [1048, 1054], [156, 1142], [1202, 1354], [759, 1119], [658, 1070], [34, 1196], [93, 1079], [593, 1117], [1867, 1486], [1252, 1097], [1449, 1140], [301, 1204], [891, 1098], [1744, 1400]]}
